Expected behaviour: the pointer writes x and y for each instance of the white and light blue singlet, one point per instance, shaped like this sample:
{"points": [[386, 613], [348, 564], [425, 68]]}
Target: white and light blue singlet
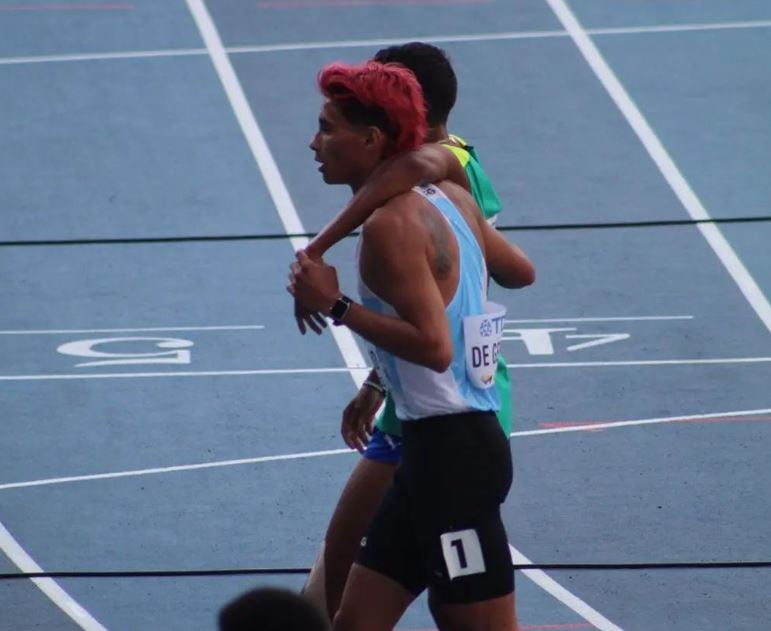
{"points": [[417, 391]]}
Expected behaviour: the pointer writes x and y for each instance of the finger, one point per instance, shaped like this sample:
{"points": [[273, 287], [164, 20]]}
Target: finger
{"points": [[320, 319], [290, 288], [357, 444], [362, 436], [300, 325], [314, 326], [349, 439]]}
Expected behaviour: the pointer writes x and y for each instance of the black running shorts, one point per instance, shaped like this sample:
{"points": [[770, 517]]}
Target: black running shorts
{"points": [[439, 524]]}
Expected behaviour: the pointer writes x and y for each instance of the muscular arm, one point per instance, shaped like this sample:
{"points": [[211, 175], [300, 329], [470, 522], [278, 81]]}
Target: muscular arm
{"points": [[394, 265], [429, 163], [507, 263]]}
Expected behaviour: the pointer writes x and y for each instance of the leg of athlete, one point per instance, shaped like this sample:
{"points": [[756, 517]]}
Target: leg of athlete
{"points": [[371, 602], [495, 614], [357, 504]]}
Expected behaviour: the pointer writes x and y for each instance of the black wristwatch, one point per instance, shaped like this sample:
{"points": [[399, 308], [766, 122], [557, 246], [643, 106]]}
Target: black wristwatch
{"points": [[339, 309]]}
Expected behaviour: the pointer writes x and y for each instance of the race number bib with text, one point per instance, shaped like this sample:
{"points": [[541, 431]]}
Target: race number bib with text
{"points": [[482, 336]]}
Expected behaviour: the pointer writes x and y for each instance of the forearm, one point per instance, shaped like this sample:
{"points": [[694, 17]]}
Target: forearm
{"points": [[400, 337], [507, 264], [518, 273], [429, 163]]}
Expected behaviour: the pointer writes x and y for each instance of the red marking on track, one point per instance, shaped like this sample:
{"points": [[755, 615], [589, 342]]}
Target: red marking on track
{"points": [[309, 4], [719, 419], [65, 7]]}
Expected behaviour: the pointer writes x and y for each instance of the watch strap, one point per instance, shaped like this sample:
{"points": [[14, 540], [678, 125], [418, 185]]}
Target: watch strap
{"points": [[340, 309]]}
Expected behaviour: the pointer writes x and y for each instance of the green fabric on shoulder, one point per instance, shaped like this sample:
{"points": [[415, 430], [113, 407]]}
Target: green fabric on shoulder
{"points": [[481, 187]]}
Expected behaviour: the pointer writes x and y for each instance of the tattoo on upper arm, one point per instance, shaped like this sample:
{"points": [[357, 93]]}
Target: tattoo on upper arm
{"points": [[439, 232]]}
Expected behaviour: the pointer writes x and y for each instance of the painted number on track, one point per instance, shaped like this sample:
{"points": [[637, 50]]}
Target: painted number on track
{"points": [[99, 351], [541, 341]]}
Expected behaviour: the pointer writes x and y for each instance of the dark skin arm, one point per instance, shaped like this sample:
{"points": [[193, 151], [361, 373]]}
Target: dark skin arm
{"points": [[429, 163], [507, 263], [395, 245]]}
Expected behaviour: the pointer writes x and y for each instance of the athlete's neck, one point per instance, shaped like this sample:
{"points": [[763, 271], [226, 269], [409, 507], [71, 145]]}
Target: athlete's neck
{"points": [[437, 133]]}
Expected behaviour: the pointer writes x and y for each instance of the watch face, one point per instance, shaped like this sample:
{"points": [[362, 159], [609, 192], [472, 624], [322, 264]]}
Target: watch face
{"points": [[340, 308]]}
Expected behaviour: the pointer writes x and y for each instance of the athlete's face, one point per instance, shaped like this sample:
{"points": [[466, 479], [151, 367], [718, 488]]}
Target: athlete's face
{"points": [[345, 151]]}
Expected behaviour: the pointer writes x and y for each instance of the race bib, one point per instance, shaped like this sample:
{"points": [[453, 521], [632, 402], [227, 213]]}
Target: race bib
{"points": [[482, 335]]}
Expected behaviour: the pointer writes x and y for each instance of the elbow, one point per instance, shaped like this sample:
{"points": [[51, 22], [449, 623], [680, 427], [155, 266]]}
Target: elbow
{"points": [[523, 277], [438, 356], [527, 277], [441, 363]]}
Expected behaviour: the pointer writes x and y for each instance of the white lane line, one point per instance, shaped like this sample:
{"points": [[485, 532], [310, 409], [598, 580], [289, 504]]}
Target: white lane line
{"points": [[663, 161], [336, 452], [359, 372], [495, 37], [646, 362], [189, 373], [250, 327], [679, 28], [267, 165], [601, 319], [174, 469], [589, 426], [636, 423], [379, 43], [373, 43], [139, 54], [549, 585], [48, 586], [235, 327]]}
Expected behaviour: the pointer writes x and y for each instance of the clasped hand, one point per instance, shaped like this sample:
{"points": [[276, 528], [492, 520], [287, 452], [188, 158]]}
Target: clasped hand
{"points": [[315, 288]]}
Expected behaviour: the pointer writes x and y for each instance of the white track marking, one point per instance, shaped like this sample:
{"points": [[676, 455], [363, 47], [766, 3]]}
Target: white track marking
{"points": [[246, 327], [49, 587], [139, 54], [191, 373], [337, 452], [175, 469], [663, 161], [267, 165], [601, 319], [548, 584], [235, 327], [379, 43], [679, 28], [646, 362], [360, 372], [636, 423]]}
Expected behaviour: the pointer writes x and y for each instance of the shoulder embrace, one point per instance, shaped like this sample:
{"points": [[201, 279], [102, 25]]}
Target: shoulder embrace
{"points": [[395, 221]]}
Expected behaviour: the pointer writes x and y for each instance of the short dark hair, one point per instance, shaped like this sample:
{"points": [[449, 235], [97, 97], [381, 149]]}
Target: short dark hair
{"points": [[272, 609], [434, 72]]}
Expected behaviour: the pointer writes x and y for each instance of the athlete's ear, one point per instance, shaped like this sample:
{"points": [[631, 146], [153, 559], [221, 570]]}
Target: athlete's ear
{"points": [[374, 137]]}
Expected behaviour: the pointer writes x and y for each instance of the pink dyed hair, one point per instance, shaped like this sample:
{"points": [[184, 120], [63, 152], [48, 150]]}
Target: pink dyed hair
{"points": [[385, 95]]}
